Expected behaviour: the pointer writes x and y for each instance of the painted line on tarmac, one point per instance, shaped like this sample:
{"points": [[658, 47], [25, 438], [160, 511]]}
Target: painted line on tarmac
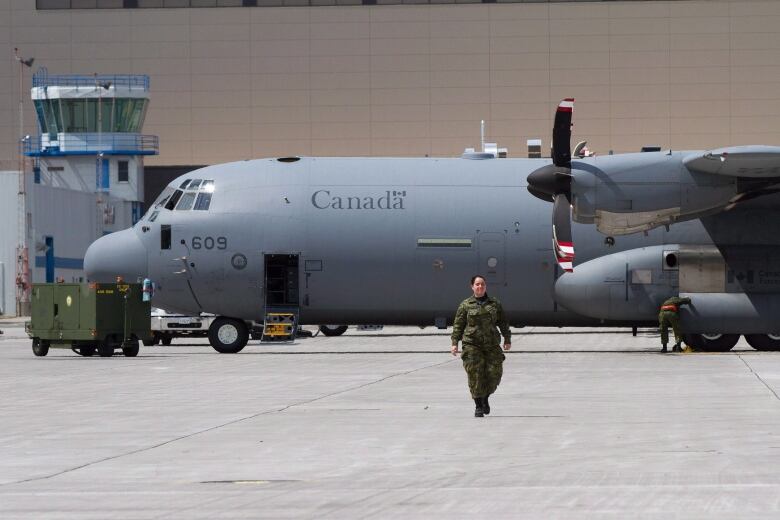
{"points": [[759, 377]]}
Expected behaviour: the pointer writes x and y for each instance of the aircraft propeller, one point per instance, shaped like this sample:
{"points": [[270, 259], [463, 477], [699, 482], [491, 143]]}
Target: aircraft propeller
{"points": [[553, 183]]}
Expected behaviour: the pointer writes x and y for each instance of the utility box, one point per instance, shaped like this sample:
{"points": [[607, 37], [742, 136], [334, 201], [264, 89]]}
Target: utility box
{"points": [[89, 318]]}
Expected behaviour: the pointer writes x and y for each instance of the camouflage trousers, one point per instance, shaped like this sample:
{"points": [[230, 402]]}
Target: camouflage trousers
{"points": [[666, 319], [484, 367]]}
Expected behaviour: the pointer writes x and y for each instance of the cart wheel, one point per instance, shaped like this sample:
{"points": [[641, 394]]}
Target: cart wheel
{"points": [[132, 349], [166, 340], [87, 351], [40, 347], [105, 349]]}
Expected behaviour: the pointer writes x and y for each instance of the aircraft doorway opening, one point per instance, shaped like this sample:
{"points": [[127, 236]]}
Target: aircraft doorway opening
{"points": [[281, 280]]}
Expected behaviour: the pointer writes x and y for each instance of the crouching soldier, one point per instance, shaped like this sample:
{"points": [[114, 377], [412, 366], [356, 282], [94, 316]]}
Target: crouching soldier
{"points": [[670, 315]]}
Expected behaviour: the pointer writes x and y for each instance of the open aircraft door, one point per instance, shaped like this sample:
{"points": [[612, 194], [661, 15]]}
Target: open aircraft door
{"points": [[282, 296]]}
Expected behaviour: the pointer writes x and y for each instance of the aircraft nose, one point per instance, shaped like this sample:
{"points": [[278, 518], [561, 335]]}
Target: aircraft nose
{"points": [[117, 254]]}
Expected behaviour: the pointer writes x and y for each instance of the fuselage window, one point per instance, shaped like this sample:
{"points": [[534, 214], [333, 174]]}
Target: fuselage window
{"points": [[443, 242], [165, 236], [173, 200], [203, 202], [186, 202]]}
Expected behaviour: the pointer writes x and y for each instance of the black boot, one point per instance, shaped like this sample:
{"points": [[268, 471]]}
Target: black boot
{"points": [[478, 412], [664, 349], [485, 405], [677, 347]]}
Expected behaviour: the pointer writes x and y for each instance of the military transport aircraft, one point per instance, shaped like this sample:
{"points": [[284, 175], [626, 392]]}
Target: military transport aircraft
{"points": [[395, 240]]}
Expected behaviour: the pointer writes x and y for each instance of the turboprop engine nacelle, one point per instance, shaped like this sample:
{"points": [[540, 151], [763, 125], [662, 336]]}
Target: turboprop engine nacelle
{"points": [[735, 296], [628, 286], [626, 193]]}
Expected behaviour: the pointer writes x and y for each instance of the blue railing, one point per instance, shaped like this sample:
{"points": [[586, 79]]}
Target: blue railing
{"points": [[91, 144], [42, 79]]}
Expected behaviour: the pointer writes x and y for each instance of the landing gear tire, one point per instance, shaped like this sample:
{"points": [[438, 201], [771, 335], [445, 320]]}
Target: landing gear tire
{"points": [[333, 330], [228, 336], [764, 342], [131, 349], [40, 347], [166, 340], [711, 342]]}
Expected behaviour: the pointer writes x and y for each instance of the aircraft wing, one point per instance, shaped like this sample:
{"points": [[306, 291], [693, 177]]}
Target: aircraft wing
{"points": [[755, 161]]}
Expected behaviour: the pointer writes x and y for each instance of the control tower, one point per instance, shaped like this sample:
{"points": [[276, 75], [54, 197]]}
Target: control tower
{"points": [[87, 175]]}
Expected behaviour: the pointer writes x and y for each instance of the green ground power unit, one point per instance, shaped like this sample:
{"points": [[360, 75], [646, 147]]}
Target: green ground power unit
{"points": [[89, 318]]}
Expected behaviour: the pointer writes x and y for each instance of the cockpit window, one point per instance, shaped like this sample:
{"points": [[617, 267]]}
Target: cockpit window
{"points": [[173, 200], [186, 201], [203, 202], [193, 194]]}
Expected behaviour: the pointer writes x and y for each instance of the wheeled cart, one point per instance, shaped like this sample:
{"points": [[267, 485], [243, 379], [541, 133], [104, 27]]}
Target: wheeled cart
{"points": [[88, 318]]}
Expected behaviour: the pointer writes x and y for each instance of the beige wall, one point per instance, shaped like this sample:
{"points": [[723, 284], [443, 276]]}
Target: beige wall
{"points": [[237, 83]]}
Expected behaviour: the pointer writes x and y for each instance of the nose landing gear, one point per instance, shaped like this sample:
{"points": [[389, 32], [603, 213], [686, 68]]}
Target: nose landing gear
{"points": [[228, 335]]}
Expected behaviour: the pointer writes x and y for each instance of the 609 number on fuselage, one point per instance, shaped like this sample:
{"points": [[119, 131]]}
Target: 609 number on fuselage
{"points": [[209, 243]]}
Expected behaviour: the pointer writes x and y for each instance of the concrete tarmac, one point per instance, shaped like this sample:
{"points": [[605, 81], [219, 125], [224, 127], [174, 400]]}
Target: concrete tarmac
{"points": [[586, 424]]}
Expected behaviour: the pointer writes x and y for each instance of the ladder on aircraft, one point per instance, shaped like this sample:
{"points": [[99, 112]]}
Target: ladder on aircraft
{"points": [[280, 323]]}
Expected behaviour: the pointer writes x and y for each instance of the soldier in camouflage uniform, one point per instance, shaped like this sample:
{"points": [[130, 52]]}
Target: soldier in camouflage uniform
{"points": [[475, 323], [669, 315]]}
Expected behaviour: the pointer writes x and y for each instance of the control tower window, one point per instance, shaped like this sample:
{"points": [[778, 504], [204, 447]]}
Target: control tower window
{"points": [[123, 173]]}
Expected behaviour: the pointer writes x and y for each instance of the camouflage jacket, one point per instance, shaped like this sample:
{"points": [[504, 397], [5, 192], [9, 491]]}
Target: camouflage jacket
{"points": [[676, 302], [476, 324]]}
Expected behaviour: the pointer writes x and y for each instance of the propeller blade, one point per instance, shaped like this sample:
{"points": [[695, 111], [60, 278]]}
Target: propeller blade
{"points": [[561, 145], [563, 245]]}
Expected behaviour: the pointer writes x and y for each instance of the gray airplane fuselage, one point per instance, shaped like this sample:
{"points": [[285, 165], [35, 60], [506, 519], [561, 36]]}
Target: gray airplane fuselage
{"points": [[375, 240]]}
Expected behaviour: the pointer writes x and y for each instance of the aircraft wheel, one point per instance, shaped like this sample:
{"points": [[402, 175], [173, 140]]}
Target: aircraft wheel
{"points": [[152, 341], [228, 336], [333, 330], [764, 342], [105, 349], [40, 347], [131, 350], [166, 340], [711, 342]]}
